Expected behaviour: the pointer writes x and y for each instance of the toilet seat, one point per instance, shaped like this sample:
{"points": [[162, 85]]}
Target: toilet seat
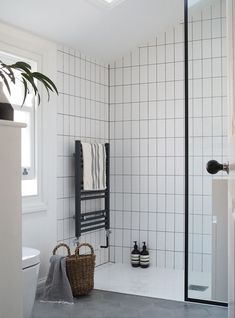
{"points": [[30, 257]]}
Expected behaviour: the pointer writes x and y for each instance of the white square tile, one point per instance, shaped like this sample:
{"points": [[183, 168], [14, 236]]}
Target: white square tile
{"points": [[152, 184], [135, 77], [143, 182], [152, 128], [152, 243], [161, 110], [152, 54], [161, 128], [143, 147], [179, 52], [170, 222], [161, 72], [144, 202], [161, 147], [170, 259], [170, 128], [152, 222], [135, 93], [143, 55], [144, 109], [143, 221], [152, 203], [143, 92], [161, 221], [152, 91], [179, 242], [170, 147], [152, 73], [127, 75], [161, 259], [161, 54], [169, 53], [161, 240], [170, 241], [135, 220], [126, 111], [143, 129], [143, 74], [118, 76]]}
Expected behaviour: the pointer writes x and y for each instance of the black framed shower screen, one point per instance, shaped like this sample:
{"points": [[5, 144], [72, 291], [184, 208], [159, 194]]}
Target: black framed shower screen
{"points": [[186, 96]]}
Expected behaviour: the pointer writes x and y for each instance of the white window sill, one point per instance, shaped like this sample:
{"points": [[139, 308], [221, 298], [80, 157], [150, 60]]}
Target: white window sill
{"points": [[33, 205]]}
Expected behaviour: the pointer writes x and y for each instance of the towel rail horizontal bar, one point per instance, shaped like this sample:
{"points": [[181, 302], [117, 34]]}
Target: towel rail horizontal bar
{"points": [[93, 191], [93, 197], [92, 229], [97, 217], [89, 224], [92, 213]]}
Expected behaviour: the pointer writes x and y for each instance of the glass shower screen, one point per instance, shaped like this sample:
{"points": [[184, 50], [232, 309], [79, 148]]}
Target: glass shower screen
{"points": [[206, 139]]}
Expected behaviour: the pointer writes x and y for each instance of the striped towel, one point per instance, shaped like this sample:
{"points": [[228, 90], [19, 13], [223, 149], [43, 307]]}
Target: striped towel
{"points": [[94, 166]]}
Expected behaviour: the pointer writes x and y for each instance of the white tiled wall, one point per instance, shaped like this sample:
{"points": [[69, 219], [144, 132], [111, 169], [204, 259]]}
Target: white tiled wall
{"points": [[147, 141], [82, 114]]}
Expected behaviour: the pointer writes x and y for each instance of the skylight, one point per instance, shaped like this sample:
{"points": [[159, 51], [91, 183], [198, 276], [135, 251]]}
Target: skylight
{"points": [[107, 3]]}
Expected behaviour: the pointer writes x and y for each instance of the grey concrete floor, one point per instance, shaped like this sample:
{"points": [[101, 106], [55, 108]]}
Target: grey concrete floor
{"points": [[101, 304]]}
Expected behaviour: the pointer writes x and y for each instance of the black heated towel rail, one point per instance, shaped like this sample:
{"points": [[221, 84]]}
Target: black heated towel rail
{"points": [[94, 220]]}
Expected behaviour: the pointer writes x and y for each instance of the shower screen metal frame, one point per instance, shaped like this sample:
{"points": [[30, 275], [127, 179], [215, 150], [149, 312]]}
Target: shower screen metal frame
{"points": [[186, 96]]}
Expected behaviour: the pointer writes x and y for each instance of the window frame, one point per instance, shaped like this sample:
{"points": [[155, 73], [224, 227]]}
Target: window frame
{"points": [[31, 171], [43, 52]]}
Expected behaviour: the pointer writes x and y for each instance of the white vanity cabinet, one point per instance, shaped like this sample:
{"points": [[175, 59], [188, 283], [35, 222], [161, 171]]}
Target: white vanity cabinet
{"points": [[10, 220]]}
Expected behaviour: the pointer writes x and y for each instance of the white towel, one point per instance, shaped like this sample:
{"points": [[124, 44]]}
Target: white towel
{"points": [[94, 166]]}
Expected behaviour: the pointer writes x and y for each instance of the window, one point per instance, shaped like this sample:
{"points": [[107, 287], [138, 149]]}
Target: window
{"points": [[25, 114], [39, 145]]}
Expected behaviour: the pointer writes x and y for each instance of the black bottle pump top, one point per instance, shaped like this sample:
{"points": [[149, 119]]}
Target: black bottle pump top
{"points": [[135, 250], [144, 251]]}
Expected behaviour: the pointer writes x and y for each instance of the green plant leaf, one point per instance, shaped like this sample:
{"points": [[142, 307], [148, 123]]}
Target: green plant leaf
{"points": [[8, 71], [48, 80], [21, 66], [26, 90], [5, 82], [31, 81]]}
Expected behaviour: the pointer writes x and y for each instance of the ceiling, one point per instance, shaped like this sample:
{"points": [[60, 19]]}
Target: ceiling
{"points": [[98, 31]]}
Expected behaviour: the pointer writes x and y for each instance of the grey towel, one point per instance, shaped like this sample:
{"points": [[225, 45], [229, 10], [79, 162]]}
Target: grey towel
{"points": [[57, 287]]}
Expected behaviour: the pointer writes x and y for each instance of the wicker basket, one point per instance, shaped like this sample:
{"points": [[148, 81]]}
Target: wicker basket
{"points": [[80, 269]]}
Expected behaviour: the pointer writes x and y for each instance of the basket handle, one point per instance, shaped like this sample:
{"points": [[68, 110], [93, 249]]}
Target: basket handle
{"points": [[61, 245], [84, 244]]}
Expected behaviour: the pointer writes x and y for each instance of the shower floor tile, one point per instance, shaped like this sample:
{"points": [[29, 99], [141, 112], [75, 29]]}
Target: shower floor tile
{"points": [[149, 282]]}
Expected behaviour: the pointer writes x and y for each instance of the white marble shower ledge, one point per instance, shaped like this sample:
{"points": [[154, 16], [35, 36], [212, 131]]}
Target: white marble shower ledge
{"points": [[150, 282]]}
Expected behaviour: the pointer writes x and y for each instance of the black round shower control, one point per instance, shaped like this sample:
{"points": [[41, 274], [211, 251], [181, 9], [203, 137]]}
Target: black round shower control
{"points": [[214, 166]]}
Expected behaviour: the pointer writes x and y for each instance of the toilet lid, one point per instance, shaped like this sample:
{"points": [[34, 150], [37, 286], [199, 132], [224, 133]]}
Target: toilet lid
{"points": [[30, 257]]}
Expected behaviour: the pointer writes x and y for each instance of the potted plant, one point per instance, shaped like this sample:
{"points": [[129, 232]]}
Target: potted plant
{"points": [[28, 79]]}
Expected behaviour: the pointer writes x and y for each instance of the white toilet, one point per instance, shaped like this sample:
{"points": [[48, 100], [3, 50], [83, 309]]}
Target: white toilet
{"points": [[30, 267]]}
